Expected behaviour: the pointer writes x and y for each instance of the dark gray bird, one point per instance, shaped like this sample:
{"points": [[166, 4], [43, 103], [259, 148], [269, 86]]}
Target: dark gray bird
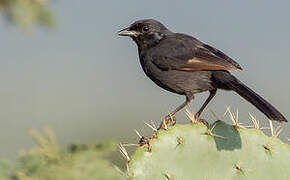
{"points": [[184, 65]]}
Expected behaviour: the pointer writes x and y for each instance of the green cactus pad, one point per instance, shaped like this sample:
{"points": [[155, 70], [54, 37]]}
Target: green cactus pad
{"points": [[186, 152], [46, 161], [82, 162]]}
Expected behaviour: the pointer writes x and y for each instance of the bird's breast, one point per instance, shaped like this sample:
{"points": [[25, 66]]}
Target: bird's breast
{"points": [[160, 77], [180, 82]]}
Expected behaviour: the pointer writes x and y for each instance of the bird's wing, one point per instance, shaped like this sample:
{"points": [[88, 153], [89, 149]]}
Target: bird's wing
{"points": [[185, 53]]}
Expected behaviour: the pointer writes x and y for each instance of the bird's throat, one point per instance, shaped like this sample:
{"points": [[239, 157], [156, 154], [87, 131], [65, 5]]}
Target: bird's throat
{"points": [[149, 41]]}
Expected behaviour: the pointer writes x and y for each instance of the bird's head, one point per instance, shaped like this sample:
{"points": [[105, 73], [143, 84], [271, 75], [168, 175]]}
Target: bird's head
{"points": [[145, 32]]}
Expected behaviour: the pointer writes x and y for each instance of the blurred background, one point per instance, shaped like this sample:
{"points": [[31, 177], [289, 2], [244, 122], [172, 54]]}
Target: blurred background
{"points": [[63, 66]]}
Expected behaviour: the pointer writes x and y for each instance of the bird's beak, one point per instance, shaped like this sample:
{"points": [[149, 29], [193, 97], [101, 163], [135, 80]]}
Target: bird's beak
{"points": [[127, 32]]}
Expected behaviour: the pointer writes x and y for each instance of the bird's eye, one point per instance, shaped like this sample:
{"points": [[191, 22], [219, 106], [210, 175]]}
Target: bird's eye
{"points": [[145, 28]]}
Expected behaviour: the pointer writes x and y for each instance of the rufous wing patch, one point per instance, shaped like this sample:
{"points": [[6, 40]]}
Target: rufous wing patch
{"points": [[197, 64]]}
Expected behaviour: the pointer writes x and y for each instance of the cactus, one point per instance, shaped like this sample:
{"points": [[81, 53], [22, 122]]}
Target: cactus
{"points": [[27, 14], [182, 152], [221, 151], [47, 162]]}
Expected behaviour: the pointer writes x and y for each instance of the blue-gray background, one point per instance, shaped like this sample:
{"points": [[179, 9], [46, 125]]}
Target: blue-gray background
{"points": [[86, 83]]}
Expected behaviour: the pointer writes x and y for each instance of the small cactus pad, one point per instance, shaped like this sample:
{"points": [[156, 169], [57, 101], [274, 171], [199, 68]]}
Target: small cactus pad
{"points": [[186, 152], [46, 161]]}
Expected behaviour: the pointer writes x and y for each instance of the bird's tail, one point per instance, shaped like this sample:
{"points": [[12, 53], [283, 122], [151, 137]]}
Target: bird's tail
{"points": [[228, 81]]}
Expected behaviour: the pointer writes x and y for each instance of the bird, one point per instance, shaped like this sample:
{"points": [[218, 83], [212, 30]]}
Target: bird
{"points": [[182, 64]]}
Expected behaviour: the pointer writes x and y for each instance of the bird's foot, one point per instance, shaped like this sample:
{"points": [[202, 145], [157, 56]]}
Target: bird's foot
{"points": [[169, 119], [198, 119]]}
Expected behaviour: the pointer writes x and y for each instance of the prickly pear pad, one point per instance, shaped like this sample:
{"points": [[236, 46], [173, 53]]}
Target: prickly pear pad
{"points": [[193, 151]]}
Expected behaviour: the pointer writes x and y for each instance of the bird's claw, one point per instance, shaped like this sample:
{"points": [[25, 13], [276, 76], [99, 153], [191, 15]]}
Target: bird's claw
{"points": [[198, 119], [169, 119]]}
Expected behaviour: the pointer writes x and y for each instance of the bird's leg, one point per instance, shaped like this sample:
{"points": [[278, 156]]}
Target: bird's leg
{"points": [[170, 118], [211, 95]]}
